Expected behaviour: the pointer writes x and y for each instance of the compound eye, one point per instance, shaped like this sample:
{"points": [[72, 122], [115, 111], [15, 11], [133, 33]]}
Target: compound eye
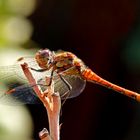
{"points": [[45, 53]]}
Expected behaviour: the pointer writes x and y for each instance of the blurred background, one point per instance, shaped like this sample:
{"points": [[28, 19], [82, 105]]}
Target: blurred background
{"points": [[105, 35]]}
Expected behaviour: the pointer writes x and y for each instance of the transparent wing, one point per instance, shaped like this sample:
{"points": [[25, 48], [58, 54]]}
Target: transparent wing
{"points": [[15, 71], [72, 77], [11, 76], [76, 82], [21, 95]]}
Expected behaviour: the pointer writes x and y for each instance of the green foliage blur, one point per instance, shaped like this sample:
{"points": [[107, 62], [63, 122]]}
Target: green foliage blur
{"points": [[16, 29], [15, 37]]}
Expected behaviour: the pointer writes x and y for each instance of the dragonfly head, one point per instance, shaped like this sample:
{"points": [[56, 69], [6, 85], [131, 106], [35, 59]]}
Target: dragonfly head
{"points": [[44, 58]]}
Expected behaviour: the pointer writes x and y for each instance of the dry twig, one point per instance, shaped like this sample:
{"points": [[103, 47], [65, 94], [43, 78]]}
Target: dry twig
{"points": [[52, 103], [44, 134]]}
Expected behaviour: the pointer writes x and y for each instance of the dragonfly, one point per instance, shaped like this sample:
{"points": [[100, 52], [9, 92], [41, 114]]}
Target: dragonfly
{"points": [[64, 69]]}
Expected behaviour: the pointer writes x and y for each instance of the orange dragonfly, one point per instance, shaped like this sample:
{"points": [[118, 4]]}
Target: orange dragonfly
{"points": [[67, 72]]}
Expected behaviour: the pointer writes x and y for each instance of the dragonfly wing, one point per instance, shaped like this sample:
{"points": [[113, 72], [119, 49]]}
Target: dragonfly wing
{"points": [[13, 74], [76, 82], [15, 71], [72, 77], [8, 73], [20, 95]]}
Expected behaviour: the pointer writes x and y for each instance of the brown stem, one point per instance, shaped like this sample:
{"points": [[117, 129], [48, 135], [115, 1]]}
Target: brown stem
{"points": [[52, 103], [53, 116], [44, 134]]}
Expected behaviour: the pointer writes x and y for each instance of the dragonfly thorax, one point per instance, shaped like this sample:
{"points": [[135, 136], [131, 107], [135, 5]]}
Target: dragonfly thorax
{"points": [[66, 60]]}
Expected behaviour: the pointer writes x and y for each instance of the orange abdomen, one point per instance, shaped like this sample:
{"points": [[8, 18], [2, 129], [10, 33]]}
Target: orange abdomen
{"points": [[90, 76]]}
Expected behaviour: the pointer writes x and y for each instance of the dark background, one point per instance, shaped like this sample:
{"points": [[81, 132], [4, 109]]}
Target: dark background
{"points": [[98, 32]]}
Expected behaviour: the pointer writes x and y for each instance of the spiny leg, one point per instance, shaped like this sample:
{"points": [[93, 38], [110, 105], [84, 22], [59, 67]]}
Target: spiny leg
{"points": [[38, 70], [51, 77]]}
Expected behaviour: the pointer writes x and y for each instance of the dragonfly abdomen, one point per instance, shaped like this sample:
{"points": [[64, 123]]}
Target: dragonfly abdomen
{"points": [[90, 76]]}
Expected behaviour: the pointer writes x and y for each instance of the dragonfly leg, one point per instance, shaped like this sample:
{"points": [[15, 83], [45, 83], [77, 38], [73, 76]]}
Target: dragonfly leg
{"points": [[51, 76], [38, 70]]}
